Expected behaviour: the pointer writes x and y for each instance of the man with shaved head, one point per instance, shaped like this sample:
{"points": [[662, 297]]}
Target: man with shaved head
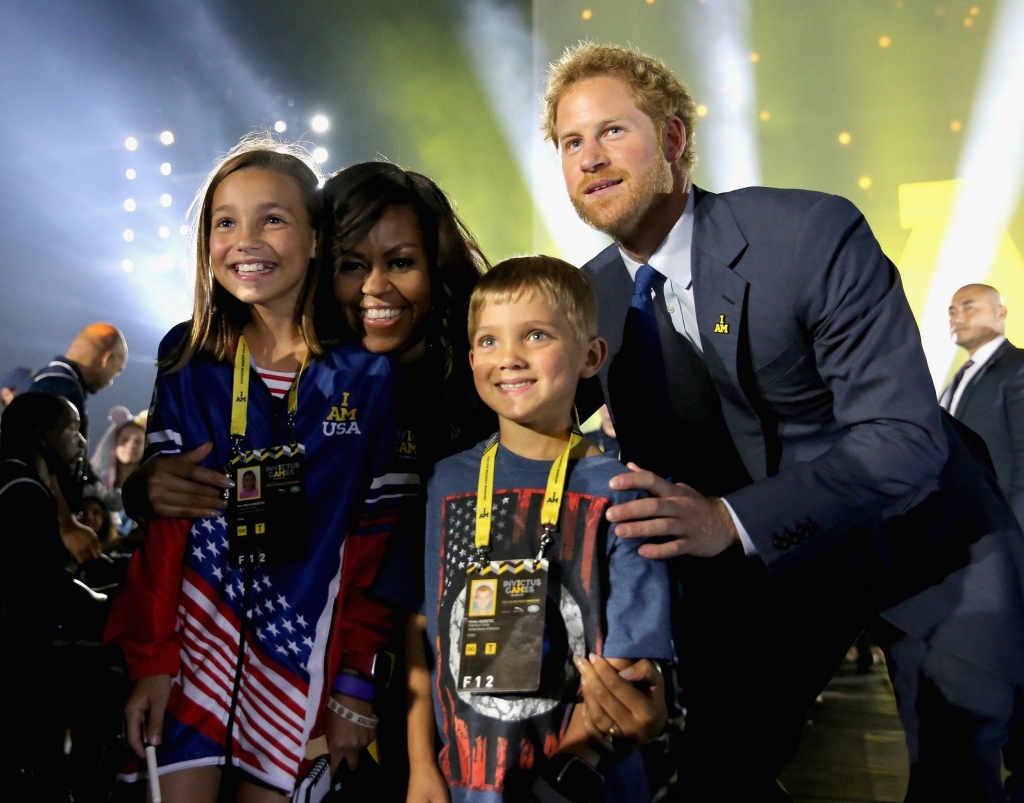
{"points": [[987, 393], [95, 357]]}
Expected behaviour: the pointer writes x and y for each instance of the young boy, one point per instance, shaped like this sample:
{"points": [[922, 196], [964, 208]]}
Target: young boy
{"points": [[502, 626]]}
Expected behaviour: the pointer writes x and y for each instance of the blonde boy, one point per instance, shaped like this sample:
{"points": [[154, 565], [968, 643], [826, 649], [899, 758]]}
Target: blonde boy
{"points": [[532, 329]]}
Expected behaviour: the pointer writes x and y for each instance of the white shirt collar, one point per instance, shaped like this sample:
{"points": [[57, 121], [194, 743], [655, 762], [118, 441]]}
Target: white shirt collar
{"points": [[672, 257], [984, 353]]}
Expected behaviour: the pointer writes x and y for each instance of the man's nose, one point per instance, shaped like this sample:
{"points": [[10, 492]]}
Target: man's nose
{"points": [[593, 157]]}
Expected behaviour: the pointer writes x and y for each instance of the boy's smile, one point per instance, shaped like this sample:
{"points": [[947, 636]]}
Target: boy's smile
{"points": [[527, 362]]}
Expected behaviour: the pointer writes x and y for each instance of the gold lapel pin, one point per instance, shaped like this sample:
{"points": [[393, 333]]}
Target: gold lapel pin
{"points": [[721, 328]]}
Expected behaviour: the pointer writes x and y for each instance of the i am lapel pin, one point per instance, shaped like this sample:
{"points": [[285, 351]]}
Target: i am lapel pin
{"points": [[721, 328]]}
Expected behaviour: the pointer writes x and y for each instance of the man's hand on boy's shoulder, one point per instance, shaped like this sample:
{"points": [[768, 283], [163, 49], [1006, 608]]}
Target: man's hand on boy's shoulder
{"points": [[688, 522]]}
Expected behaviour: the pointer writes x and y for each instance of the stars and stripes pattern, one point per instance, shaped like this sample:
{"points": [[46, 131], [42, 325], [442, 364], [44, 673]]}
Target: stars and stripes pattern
{"points": [[460, 532], [281, 640]]}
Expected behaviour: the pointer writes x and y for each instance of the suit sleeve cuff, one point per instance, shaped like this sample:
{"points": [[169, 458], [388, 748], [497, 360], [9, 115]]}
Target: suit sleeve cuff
{"points": [[748, 545]]}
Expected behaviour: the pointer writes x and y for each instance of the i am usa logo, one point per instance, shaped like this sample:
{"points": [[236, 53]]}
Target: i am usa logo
{"points": [[342, 420]]}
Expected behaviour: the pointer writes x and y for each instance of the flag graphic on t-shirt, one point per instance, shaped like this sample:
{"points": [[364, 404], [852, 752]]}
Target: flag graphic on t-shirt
{"points": [[489, 738]]}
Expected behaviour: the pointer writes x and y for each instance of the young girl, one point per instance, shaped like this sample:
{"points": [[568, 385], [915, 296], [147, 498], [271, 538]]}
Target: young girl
{"points": [[240, 650]]}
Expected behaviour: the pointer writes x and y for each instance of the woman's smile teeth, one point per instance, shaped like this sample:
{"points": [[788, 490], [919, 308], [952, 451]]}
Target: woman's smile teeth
{"points": [[250, 268], [381, 313]]}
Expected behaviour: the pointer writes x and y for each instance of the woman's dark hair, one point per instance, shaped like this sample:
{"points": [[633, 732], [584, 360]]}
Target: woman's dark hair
{"points": [[356, 198], [25, 420]]}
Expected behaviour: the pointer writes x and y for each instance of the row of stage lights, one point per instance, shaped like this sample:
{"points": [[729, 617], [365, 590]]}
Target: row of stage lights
{"points": [[166, 261], [320, 124]]}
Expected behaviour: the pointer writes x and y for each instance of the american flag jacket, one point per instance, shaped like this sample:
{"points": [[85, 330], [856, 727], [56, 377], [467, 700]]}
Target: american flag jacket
{"points": [[183, 609]]}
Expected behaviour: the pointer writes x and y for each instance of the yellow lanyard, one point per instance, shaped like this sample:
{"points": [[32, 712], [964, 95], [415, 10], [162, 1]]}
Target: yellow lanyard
{"points": [[552, 494], [240, 390]]}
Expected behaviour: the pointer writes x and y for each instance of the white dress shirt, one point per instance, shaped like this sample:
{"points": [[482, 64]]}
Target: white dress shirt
{"points": [[672, 260], [980, 357]]}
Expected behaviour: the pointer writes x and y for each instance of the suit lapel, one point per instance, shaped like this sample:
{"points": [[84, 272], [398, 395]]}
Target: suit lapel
{"points": [[720, 296], [965, 397], [614, 290]]}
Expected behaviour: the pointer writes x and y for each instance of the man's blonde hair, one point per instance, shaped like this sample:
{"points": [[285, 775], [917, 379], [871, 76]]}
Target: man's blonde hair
{"points": [[556, 282], [656, 91]]}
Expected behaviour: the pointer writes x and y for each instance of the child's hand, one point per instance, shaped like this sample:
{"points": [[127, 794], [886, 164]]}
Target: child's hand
{"points": [[345, 739], [148, 694], [426, 785]]}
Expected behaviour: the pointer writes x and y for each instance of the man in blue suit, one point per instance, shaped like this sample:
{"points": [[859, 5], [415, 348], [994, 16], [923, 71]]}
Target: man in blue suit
{"points": [[765, 358]]}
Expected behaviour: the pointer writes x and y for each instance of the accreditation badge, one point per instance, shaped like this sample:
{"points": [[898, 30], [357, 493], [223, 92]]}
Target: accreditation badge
{"points": [[266, 510], [503, 628]]}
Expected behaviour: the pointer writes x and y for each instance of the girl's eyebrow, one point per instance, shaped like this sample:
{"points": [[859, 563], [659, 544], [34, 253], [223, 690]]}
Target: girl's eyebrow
{"points": [[264, 207]]}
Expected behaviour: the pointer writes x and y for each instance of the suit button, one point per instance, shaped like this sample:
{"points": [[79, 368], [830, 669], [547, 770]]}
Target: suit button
{"points": [[814, 528], [779, 543]]}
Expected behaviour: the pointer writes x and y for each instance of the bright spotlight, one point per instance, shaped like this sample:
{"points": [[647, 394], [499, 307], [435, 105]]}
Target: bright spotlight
{"points": [[320, 123], [165, 200], [131, 143], [182, 229], [130, 173], [129, 205], [320, 155], [280, 126], [165, 168], [129, 235], [167, 138], [127, 266], [164, 232]]}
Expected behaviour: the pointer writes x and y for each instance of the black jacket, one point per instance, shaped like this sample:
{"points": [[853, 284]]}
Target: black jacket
{"points": [[992, 405]]}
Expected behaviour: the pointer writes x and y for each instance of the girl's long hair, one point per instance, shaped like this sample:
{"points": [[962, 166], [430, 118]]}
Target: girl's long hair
{"points": [[357, 197], [217, 316]]}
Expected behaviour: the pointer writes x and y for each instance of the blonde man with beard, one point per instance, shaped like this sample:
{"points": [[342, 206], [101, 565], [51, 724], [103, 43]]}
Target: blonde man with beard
{"points": [[764, 357]]}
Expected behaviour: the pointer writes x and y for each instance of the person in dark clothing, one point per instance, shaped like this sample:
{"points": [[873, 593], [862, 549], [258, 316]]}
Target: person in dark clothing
{"points": [[93, 360], [43, 606]]}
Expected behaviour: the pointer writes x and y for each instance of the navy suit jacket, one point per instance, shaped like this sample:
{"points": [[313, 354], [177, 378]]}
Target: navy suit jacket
{"points": [[827, 396], [992, 405]]}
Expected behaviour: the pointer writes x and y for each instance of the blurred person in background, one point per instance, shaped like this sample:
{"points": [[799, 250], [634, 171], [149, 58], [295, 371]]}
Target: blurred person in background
{"points": [[987, 392], [44, 608], [116, 456], [93, 360], [13, 380]]}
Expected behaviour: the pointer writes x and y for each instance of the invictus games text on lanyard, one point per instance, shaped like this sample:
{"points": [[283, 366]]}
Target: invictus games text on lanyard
{"points": [[503, 627], [266, 515]]}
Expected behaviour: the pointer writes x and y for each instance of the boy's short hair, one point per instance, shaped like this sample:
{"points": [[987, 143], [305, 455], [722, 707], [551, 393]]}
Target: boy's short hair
{"points": [[554, 280], [656, 91]]}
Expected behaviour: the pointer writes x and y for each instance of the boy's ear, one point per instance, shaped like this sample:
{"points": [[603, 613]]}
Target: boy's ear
{"points": [[471, 359], [597, 353]]}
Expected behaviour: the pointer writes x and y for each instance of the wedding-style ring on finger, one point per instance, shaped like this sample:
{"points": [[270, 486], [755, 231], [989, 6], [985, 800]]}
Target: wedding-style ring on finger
{"points": [[614, 730]]}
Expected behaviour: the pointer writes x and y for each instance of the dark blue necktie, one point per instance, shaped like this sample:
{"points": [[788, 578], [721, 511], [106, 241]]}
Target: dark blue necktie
{"points": [[647, 279]]}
